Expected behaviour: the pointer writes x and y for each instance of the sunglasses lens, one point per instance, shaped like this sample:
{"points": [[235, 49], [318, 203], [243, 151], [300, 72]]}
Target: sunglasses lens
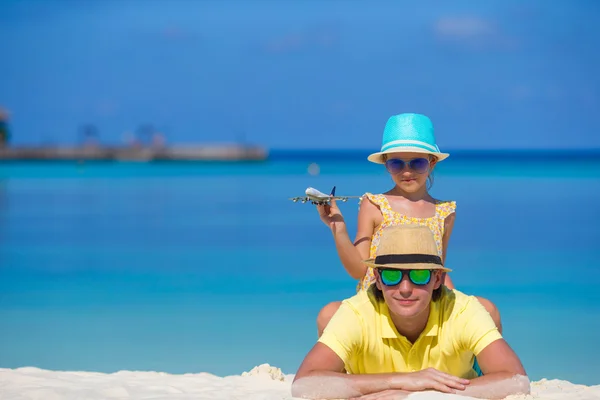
{"points": [[391, 277], [394, 165], [419, 165], [420, 276]]}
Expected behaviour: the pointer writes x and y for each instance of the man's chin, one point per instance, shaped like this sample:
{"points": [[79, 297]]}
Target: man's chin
{"points": [[406, 310]]}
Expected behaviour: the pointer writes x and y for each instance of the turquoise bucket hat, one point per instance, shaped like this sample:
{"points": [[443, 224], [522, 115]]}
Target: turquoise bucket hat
{"points": [[410, 133]]}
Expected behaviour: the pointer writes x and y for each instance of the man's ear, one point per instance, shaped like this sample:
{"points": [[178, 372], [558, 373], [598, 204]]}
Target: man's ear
{"points": [[437, 279], [378, 281]]}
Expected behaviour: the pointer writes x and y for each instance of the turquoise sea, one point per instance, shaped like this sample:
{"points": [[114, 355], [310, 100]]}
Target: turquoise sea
{"points": [[190, 267]]}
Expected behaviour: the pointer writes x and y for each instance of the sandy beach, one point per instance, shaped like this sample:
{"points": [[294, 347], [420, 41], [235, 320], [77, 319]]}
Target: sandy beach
{"points": [[261, 383]]}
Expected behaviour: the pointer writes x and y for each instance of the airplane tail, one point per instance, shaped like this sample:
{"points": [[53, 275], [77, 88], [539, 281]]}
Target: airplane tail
{"points": [[333, 191]]}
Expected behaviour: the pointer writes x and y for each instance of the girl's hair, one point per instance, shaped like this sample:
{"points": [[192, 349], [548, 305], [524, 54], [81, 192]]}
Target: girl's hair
{"points": [[429, 177]]}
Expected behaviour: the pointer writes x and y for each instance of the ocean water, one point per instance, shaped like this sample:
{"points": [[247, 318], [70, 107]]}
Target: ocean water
{"points": [[187, 267]]}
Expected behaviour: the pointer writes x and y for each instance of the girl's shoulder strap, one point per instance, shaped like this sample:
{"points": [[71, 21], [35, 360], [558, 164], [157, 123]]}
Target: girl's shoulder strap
{"points": [[377, 199], [382, 202], [445, 208]]}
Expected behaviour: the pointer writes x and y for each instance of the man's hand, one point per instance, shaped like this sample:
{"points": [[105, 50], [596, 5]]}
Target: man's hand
{"points": [[331, 215], [428, 379], [385, 395]]}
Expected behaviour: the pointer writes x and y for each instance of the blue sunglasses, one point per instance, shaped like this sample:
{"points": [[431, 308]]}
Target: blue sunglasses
{"points": [[392, 277], [396, 165]]}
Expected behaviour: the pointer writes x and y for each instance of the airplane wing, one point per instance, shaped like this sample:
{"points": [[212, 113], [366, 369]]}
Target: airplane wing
{"points": [[343, 198], [301, 199], [315, 196]]}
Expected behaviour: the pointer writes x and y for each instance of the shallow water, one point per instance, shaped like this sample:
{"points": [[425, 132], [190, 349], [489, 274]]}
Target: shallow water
{"points": [[183, 267]]}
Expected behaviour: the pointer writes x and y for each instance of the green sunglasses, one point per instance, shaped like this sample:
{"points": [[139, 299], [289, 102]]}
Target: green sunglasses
{"points": [[392, 277]]}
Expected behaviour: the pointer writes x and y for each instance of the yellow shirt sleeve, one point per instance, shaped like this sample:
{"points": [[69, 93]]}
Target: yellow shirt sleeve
{"points": [[344, 333], [477, 327]]}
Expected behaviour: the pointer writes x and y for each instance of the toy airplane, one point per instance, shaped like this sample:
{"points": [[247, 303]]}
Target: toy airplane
{"points": [[316, 197]]}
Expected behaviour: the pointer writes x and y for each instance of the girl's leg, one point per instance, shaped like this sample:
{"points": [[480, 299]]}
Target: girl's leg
{"points": [[493, 310], [489, 306], [325, 315], [448, 281]]}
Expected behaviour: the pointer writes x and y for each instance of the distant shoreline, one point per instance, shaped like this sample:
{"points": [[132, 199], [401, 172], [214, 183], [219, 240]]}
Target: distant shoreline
{"points": [[234, 153], [139, 154]]}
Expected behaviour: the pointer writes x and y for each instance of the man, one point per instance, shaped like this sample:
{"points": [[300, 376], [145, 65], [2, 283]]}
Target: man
{"points": [[409, 333]]}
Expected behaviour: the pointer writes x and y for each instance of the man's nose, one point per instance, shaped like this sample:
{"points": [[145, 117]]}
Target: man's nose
{"points": [[405, 288]]}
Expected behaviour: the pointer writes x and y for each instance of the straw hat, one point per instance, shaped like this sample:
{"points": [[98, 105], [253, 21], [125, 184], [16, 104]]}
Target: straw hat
{"points": [[409, 133], [407, 247]]}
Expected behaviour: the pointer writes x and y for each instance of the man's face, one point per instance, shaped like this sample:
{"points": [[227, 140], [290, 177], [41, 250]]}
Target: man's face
{"points": [[406, 299]]}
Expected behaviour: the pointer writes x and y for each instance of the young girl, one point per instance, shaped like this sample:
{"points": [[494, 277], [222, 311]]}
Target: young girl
{"points": [[409, 153]]}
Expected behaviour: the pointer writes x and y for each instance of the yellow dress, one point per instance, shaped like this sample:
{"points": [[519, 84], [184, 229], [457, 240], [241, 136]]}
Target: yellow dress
{"points": [[392, 218]]}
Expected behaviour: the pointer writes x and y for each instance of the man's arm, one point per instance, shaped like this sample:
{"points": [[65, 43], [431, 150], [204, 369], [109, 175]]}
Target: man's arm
{"points": [[321, 373], [321, 376], [503, 373]]}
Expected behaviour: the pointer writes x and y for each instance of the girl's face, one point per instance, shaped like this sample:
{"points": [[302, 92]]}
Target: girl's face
{"points": [[410, 170]]}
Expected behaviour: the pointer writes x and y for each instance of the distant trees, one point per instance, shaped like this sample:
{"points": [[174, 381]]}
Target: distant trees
{"points": [[89, 135], [4, 131]]}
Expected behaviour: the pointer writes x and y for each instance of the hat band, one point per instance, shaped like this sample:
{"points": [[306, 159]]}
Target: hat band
{"points": [[410, 143], [408, 259]]}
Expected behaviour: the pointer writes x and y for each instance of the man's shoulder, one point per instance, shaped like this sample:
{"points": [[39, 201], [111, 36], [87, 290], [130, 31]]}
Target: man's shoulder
{"points": [[364, 302], [359, 300], [457, 303]]}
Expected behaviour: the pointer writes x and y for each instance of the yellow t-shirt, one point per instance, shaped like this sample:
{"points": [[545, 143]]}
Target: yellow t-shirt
{"points": [[363, 335]]}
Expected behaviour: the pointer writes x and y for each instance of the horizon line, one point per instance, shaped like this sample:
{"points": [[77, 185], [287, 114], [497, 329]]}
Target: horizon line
{"points": [[459, 153]]}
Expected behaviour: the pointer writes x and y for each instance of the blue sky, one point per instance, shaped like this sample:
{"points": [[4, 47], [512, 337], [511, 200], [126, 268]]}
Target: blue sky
{"points": [[303, 74]]}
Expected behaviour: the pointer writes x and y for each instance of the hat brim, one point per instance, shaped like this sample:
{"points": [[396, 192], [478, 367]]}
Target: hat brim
{"points": [[371, 263], [377, 158]]}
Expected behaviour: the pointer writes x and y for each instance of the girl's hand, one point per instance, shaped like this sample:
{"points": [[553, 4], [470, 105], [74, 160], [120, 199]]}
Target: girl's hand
{"points": [[331, 216]]}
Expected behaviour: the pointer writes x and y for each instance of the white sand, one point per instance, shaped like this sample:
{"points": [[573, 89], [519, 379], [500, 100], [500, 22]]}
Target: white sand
{"points": [[262, 383]]}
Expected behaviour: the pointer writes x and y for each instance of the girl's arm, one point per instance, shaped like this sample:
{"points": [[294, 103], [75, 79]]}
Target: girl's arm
{"points": [[448, 225], [352, 254]]}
